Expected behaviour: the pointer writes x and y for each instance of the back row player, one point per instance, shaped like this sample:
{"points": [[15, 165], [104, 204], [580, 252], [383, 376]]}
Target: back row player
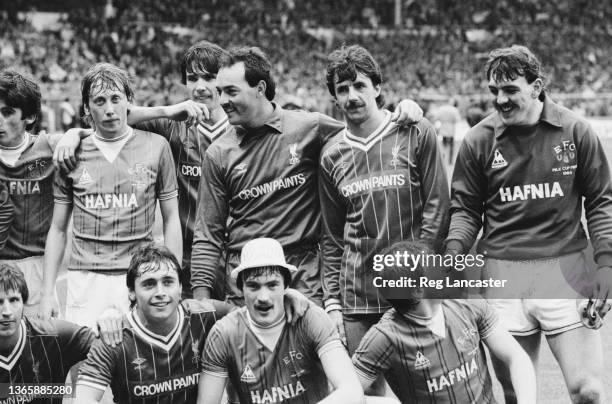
{"points": [[262, 174]]}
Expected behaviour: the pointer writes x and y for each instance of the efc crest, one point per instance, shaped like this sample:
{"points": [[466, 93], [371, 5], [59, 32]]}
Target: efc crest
{"points": [[140, 175]]}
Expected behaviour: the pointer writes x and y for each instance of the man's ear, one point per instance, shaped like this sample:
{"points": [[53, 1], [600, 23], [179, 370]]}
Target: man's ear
{"points": [[538, 86], [30, 120], [261, 88], [132, 296]]}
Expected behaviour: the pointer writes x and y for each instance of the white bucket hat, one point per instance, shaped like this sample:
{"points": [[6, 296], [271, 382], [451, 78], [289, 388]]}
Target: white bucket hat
{"points": [[262, 252]]}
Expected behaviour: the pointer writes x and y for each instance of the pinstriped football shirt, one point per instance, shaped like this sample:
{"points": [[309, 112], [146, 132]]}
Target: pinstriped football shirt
{"points": [[422, 367], [30, 186], [388, 187], [44, 353], [151, 368], [114, 202], [188, 146], [291, 374]]}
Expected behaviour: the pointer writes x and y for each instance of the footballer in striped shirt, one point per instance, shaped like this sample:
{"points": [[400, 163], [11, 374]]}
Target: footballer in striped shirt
{"points": [[379, 183], [431, 350], [31, 350], [159, 357], [266, 358], [120, 175]]}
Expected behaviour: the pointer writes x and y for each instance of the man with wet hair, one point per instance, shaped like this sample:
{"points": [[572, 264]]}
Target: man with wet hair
{"points": [[120, 175], [379, 183], [32, 350], [521, 175], [162, 338], [431, 350], [266, 358], [264, 196]]}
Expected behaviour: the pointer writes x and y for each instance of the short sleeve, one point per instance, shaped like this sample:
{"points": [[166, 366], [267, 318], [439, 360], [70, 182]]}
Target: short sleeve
{"points": [[216, 354], [62, 187], [373, 355], [167, 186], [75, 340], [319, 329], [98, 369], [486, 318]]}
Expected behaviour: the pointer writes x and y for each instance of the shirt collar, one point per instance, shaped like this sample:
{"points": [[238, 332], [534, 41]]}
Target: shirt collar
{"points": [[275, 123], [550, 114]]}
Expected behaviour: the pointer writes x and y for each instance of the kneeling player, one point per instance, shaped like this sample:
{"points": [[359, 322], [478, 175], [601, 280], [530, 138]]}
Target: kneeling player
{"points": [[162, 339], [265, 358], [34, 351], [431, 350], [159, 359]]}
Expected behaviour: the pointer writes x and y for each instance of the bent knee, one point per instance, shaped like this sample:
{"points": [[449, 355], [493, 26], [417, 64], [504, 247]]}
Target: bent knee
{"points": [[587, 392]]}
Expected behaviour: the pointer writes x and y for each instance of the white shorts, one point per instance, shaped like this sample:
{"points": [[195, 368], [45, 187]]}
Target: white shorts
{"points": [[32, 269], [542, 295], [522, 317], [90, 293]]}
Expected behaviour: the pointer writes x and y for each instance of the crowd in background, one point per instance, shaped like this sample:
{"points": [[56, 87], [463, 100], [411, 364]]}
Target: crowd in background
{"points": [[437, 52]]}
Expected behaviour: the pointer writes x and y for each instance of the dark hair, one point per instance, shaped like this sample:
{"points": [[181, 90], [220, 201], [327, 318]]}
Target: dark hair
{"points": [[201, 57], [12, 278], [257, 67], [109, 76], [149, 257], [267, 270], [344, 63], [18, 91], [506, 64]]}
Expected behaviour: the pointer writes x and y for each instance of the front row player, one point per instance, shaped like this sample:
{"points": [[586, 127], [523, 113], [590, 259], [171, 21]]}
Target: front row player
{"points": [[267, 359], [431, 350], [159, 359], [34, 351]]}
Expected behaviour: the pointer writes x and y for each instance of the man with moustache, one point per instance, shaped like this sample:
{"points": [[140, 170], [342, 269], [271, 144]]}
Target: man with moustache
{"points": [[120, 175], [521, 175], [266, 358], [262, 175], [378, 183]]}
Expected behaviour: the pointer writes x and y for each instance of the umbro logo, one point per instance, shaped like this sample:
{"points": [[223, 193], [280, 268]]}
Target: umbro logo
{"points": [[247, 374], [85, 178], [498, 161], [139, 363], [421, 361]]}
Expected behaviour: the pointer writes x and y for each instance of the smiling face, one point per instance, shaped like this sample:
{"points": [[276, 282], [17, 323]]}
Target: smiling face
{"points": [[239, 100], [516, 100], [12, 125], [108, 106], [157, 292], [11, 312], [356, 98], [263, 296]]}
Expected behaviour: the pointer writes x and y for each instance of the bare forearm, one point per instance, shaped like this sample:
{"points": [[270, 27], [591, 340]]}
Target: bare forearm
{"points": [[54, 252], [523, 379], [142, 114]]}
